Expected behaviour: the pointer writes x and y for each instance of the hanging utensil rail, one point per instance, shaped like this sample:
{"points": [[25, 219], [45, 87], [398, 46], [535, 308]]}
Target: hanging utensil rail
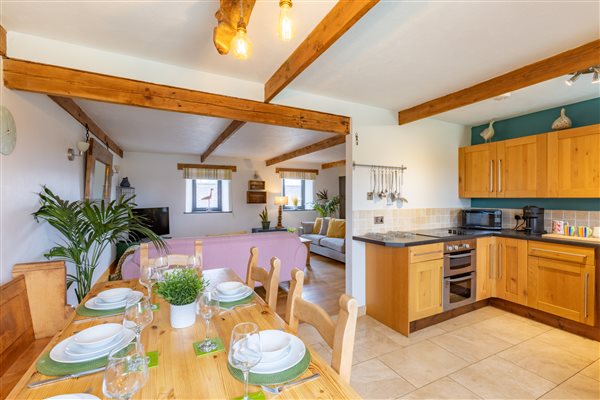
{"points": [[400, 168]]}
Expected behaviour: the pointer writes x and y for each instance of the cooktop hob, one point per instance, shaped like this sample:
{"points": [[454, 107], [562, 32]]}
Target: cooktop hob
{"points": [[451, 232]]}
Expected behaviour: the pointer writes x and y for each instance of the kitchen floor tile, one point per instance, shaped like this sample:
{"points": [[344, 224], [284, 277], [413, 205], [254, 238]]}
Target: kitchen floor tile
{"points": [[374, 380], [370, 344], [496, 378], [469, 318], [323, 350], [416, 337], [471, 344], [592, 371], [445, 388], [510, 329], [580, 346], [309, 334], [423, 363], [578, 387], [552, 363]]}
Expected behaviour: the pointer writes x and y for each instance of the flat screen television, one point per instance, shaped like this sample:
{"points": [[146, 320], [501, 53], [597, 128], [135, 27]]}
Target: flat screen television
{"points": [[157, 219]]}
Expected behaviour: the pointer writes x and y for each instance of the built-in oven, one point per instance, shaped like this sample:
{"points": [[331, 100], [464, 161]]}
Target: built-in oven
{"points": [[459, 273]]}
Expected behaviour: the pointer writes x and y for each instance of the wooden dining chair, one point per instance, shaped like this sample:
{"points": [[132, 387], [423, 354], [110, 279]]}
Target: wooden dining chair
{"points": [[173, 259], [269, 280], [339, 336]]}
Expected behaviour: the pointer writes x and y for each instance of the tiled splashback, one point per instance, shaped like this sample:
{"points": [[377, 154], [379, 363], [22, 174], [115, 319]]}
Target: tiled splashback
{"points": [[432, 218]]}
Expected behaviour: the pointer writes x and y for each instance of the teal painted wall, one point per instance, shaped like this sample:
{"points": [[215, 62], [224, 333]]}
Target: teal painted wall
{"points": [[582, 113]]}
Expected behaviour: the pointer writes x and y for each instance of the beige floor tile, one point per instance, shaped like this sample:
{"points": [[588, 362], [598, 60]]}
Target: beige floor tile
{"points": [[423, 363], [592, 371], [374, 380], [469, 318], [580, 346], [509, 329], [323, 350], [416, 337], [496, 378], [309, 334], [370, 344], [471, 344], [444, 388], [552, 363], [578, 387]]}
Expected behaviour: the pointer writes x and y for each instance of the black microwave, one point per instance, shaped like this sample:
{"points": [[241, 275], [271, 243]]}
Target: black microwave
{"points": [[481, 219]]}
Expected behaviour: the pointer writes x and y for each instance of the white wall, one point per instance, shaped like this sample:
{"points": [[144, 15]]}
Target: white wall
{"points": [[44, 132], [158, 183]]}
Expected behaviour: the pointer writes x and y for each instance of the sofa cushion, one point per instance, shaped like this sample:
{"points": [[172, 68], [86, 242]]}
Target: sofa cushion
{"points": [[324, 226], [337, 228], [307, 227], [317, 227], [313, 237], [336, 244]]}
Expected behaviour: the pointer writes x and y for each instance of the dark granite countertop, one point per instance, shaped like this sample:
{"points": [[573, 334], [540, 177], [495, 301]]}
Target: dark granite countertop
{"points": [[417, 240]]}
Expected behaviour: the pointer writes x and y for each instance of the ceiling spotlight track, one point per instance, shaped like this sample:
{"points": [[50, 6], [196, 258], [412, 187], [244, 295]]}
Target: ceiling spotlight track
{"points": [[595, 69]]}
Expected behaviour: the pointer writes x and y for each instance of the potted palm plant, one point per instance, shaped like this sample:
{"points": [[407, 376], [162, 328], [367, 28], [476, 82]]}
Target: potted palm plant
{"points": [[180, 289], [88, 228], [264, 219], [325, 206]]}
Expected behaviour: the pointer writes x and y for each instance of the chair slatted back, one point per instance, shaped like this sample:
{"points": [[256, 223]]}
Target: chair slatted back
{"points": [[269, 280]]}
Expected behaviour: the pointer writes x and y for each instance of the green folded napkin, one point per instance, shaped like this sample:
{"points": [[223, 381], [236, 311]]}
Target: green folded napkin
{"points": [[232, 304], [274, 379], [88, 312], [153, 358], [252, 396], [217, 341]]}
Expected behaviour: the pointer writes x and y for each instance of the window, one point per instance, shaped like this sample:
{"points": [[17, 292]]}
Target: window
{"points": [[299, 191], [207, 195]]}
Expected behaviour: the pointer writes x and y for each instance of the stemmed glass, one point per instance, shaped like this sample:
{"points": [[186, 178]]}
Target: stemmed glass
{"points": [[126, 372], [161, 264], [138, 315], [149, 275], [244, 349], [195, 262], [207, 306]]}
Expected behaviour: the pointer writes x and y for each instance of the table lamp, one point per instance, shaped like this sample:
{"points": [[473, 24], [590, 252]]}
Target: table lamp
{"points": [[280, 201]]}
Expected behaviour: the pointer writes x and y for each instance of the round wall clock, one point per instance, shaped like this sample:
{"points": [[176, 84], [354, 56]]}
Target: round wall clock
{"points": [[8, 131]]}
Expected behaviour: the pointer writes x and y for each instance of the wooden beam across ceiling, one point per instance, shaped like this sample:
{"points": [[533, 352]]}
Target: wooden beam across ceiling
{"points": [[67, 82], [311, 148], [560, 64], [2, 41], [232, 128], [339, 20], [312, 171], [333, 164], [76, 112]]}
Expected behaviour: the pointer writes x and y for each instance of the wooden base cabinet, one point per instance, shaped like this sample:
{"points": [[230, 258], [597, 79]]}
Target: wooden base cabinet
{"points": [[561, 281], [425, 289], [486, 268], [511, 273]]}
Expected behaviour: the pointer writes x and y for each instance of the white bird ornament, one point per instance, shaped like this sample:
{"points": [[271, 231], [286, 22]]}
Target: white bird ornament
{"points": [[488, 133], [208, 198]]}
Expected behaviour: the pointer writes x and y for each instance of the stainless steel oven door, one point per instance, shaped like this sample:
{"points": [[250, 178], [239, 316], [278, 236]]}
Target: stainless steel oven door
{"points": [[459, 291], [459, 263]]}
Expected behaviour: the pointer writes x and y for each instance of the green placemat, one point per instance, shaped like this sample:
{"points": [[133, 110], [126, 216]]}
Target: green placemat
{"points": [[232, 304], [88, 312], [199, 352], [47, 366], [276, 378]]}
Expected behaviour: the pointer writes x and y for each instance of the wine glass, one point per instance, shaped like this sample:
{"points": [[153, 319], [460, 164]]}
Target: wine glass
{"points": [[148, 277], [244, 349], [161, 264], [195, 262], [126, 371], [138, 315], [207, 306]]}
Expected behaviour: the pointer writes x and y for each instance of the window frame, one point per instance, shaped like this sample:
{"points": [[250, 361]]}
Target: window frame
{"points": [[219, 207], [302, 205]]}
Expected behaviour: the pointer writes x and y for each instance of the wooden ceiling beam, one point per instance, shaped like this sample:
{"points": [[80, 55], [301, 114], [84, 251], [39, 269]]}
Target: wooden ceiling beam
{"points": [[67, 82], [2, 41], [312, 171], [333, 164], [76, 112], [232, 128], [337, 22], [311, 148], [560, 64]]}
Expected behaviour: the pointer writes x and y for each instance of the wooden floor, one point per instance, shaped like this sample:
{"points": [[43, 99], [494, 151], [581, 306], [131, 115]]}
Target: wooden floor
{"points": [[324, 285]]}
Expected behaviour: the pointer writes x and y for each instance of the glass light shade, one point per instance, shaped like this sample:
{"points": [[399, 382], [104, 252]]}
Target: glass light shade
{"points": [[285, 28], [281, 200], [572, 79], [83, 146], [241, 46], [596, 77]]}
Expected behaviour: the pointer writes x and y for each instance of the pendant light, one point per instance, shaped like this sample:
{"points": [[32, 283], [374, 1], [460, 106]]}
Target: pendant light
{"points": [[241, 46], [285, 27]]}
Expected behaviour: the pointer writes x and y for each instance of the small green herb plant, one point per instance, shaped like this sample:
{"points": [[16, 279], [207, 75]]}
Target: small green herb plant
{"points": [[181, 286]]}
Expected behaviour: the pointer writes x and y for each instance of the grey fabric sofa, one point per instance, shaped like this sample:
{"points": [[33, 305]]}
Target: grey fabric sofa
{"points": [[334, 248]]}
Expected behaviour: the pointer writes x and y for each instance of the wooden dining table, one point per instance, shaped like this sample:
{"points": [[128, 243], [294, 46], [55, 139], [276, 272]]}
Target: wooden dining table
{"points": [[180, 374]]}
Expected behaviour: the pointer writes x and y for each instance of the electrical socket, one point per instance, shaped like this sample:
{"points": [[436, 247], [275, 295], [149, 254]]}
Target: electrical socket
{"points": [[378, 220]]}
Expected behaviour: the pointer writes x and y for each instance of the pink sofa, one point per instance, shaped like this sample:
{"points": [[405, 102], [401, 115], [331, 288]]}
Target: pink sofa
{"points": [[233, 251]]}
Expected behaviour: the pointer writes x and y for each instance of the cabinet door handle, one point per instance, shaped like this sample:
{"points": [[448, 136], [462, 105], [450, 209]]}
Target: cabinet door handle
{"points": [[585, 296], [499, 176], [426, 253], [491, 176], [491, 262], [441, 286], [557, 252]]}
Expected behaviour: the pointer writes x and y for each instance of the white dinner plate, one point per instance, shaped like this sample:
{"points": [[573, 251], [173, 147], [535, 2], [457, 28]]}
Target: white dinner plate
{"points": [[115, 295], [58, 352], [73, 396], [243, 294], [94, 304], [75, 350], [295, 355], [97, 336]]}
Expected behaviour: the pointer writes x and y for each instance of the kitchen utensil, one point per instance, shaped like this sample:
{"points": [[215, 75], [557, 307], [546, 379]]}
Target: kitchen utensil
{"points": [[397, 184], [584, 231], [401, 197], [381, 192], [63, 378], [279, 389], [370, 194], [558, 227]]}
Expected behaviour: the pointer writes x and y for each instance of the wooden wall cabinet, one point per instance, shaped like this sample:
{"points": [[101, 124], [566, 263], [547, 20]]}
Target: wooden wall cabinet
{"points": [[511, 272], [562, 281], [425, 289], [564, 164], [486, 268], [574, 162]]}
